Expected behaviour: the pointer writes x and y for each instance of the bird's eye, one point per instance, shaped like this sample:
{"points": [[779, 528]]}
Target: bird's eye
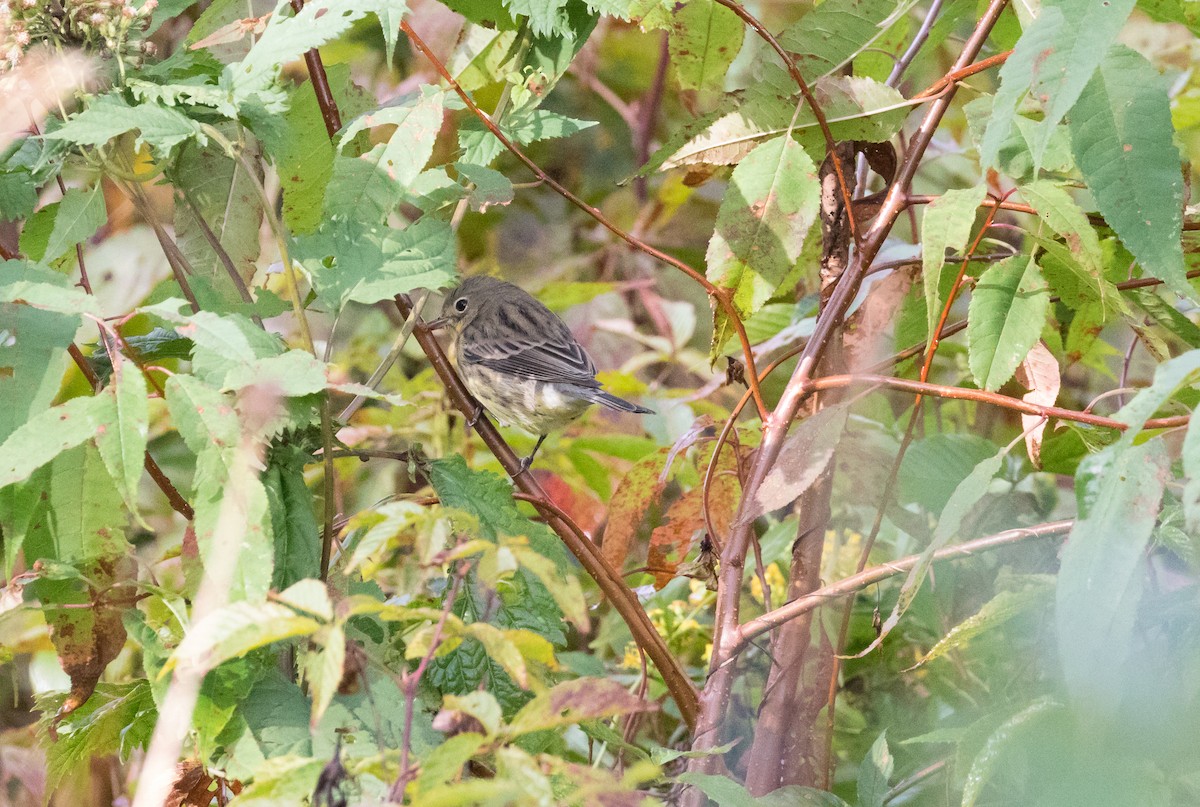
{"points": [[461, 305]]}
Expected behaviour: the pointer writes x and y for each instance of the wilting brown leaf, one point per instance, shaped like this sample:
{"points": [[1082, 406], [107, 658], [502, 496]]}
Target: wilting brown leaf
{"points": [[866, 329], [669, 543], [191, 787], [637, 491], [88, 633], [804, 457], [574, 701], [1039, 374]]}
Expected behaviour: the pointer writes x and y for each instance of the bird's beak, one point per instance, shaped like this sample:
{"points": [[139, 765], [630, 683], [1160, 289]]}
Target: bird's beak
{"points": [[437, 324]]}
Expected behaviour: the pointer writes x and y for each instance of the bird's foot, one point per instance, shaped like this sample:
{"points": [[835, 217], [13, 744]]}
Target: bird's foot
{"points": [[473, 421]]}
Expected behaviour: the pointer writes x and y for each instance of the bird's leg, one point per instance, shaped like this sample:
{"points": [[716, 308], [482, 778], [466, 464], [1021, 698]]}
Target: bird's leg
{"points": [[476, 415], [525, 463]]}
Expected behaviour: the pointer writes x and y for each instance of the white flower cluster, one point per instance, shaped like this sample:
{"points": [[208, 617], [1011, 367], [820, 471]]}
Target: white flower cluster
{"points": [[103, 27]]}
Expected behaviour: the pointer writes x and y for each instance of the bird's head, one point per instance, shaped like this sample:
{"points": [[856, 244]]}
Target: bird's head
{"points": [[466, 302]]}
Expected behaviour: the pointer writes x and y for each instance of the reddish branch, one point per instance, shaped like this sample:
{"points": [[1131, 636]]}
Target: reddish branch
{"points": [[715, 697], [607, 578]]}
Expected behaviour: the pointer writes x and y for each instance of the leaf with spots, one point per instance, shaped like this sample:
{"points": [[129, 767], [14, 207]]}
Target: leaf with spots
{"points": [[669, 542], [704, 38], [1122, 136], [770, 205], [46, 435]]}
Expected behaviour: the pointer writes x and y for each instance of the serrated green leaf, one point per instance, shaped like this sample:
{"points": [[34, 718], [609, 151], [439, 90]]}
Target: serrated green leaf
{"points": [[46, 435], [80, 214], [1053, 60], [1060, 213], [286, 39], [945, 224], [728, 793], [293, 521], [44, 289], [1005, 318], [704, 39], [445, 762], [323, 670], [350, 263], [389, 13], [158, 126], [417, 119], [994, 613], [770, 205], [968, 494], [1121, 134], [122, 443], [1168, 377], [1167, 316], [33, 356], [226, 198]]}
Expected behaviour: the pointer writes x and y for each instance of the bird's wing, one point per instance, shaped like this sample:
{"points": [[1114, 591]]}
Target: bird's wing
{"points": [[530, 343]]}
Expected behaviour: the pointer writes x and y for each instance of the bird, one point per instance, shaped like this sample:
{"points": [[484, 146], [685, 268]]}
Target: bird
{"points": [[519, 360]]}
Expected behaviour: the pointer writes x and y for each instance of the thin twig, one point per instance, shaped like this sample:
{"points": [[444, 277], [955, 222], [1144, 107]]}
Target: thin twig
{"points": [[772, 619]]}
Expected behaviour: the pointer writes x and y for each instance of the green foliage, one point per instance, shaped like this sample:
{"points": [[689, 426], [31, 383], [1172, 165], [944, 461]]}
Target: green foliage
{"points": [[200, 255]]}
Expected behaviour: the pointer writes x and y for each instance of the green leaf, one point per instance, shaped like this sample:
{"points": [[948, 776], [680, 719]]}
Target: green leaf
{"points": [[1005, 319], [1168, 377], [44, 436], [994, 613], [42, 288], [324, 669], [227, 200], [946, 224], [33, 357], [968, 494], [389, 13], [830, 35], [304, 157], [417, 119], [1166, 315], [1121, 134], [704, 39], [287, 779], [82, 520], [286, 39], [489, 187], [1053, 60], [575, 701], [351, 264], [237, 629], [293, 521], [1060, 213], [987, 760], [158, 126], [770, 205], [122, 443], [117, 716], [856, 108], [1103, 570], [874, 773], [79, 215]]}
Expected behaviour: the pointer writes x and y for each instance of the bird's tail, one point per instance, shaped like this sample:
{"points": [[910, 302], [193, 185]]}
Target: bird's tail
{"points": [[613, 402]]}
